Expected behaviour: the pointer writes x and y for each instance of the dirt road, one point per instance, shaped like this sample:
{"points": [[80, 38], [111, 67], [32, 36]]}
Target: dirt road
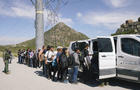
{"points": [[26, 78]]}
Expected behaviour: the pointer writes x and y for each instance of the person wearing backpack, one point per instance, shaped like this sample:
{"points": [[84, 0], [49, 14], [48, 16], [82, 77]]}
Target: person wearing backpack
{"points": [[55, 63], [49, 57], [63, 61]]}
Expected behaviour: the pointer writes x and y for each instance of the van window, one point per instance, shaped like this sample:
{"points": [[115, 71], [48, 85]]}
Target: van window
{"points": [[130, 46], [81, 45], [73, 46], [105, 45]]}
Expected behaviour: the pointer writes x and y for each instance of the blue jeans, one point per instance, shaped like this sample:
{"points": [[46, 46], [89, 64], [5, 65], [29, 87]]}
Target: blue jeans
{"points": [[75, 74], [31, 62], [44, 67], [19, 59]]}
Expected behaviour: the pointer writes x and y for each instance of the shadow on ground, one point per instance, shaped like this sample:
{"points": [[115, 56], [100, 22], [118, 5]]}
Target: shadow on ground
{"points": [[92, 82], [124, 84], [89, 79], [39, 73]]}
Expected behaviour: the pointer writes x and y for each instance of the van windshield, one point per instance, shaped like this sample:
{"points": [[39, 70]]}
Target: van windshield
{"points": [[105, 45]]}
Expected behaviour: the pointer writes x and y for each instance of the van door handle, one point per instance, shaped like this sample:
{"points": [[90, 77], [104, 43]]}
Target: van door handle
{"points": [[103, 55], [120, 56]]}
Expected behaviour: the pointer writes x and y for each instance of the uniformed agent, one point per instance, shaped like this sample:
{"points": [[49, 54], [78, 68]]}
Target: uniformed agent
{"points": [[6, 57]]}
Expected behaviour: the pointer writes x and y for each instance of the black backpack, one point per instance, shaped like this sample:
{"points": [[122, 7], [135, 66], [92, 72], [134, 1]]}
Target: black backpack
{"points": [[71, 60], [63, 61]]}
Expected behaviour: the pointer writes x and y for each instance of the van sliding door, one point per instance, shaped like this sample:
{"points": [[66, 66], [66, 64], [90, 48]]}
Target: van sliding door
{"points": [[107, 57], [128, 58]]}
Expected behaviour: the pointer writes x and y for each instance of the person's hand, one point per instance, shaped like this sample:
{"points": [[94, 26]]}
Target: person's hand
{"points": [[46, 62], [52, 58]]}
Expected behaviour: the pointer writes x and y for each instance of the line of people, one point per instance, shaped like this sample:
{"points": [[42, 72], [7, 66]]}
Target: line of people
{"points": [[28, 57], [57, 65], [54, 63], [62, 63]]}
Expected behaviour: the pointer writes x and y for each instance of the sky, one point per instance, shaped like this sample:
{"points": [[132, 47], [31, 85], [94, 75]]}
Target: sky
{"points": [[91, 17]]}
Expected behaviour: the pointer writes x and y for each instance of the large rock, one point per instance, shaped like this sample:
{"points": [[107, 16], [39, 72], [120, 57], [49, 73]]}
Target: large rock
{"points": [[130, 27]]}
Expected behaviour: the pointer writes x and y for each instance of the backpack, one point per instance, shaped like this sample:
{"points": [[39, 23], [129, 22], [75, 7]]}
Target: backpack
{"points": [[54, 63], [63, 61], [71, 60]]}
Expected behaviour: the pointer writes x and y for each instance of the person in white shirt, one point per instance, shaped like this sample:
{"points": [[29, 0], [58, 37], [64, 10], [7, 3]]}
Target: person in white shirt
{"points": [[31, 58], [49, 57]]}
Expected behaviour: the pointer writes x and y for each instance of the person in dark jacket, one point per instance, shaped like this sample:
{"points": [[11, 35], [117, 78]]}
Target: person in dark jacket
{"points": [[85, 58], [34, 60], [63, 64], [19, 55]]}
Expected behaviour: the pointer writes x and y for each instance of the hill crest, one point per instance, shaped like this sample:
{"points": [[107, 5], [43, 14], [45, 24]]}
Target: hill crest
{"points": [[59, 35]]}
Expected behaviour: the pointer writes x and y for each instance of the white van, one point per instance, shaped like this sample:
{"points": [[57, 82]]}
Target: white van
{"points": [[117, 56]]}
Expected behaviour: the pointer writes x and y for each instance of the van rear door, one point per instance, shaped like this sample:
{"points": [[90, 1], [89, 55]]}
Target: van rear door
{"points": [[107, 57]]}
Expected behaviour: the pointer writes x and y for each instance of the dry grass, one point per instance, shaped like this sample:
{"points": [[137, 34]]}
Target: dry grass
{"points": [[1, 54]]}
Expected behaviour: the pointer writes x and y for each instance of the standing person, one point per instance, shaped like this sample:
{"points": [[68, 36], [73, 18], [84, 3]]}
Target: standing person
{"points": [[31, 58], [27, 57], [85, 58], [63, 60], [24, 53], [11, 56], [41, 57], [86, 63], [75, 66], [6, 57], [22, 56], [49, 57], [34, 60], [37, 57], [19, 56], [55, 63]]}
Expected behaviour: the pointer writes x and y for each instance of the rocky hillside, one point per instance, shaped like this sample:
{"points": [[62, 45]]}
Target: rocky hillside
{"points": [[129, 27], [59, 35]]}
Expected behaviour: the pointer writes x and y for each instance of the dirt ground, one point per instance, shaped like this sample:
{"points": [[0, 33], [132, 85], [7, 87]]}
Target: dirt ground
{"points": [[22, 77]]}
